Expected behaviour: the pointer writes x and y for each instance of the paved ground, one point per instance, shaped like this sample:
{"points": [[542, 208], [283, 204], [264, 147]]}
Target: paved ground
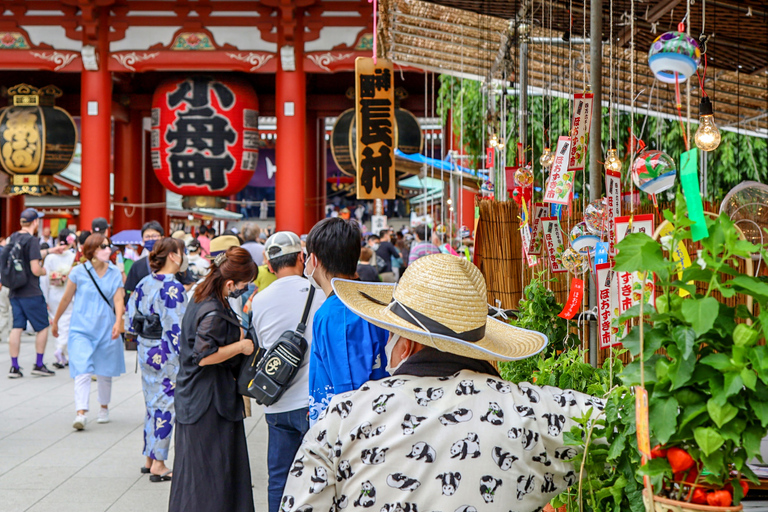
{"points": [[47, 466]]}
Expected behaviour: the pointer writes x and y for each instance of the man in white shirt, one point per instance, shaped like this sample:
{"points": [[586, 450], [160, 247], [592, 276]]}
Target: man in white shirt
{"points": [[275, 310], [53, 284]]}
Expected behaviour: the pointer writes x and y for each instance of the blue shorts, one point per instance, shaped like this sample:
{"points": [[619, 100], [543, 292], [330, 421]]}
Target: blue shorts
{"points": [[30, 309]]}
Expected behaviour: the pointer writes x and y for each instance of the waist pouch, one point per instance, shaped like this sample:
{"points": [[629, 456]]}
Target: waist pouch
{"points": [[277, 368], [148, 326]]}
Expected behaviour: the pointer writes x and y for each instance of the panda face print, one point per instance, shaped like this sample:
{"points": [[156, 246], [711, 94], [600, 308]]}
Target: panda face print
{"points": [[532, 394], [542, 458], [373, 456], [525, 486], [393, 383], [565, 399], [298, 467], [503, 459], [548, 486], [286, 504], [402, 482], [529, 438], [449, 482], [362, 431], [400, 507], [467, 447], [455, 417], [367, 496], [319, 481], [555, 424], [342, 408], [426, 396], [341, 502], [494, 415], [344, 471], [379, 405], [569, 478], [565, 453], [410, 423], [500, 386], [525, 412], [488, 487], [595, 402], [421, 451], [466, 387]]}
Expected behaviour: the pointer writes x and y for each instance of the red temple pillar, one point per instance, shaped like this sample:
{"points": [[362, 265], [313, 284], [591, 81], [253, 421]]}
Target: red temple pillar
{"points": [[154, 191], [310, 176], [129, 178], [12, 208], [290, 148], [96, 130]]}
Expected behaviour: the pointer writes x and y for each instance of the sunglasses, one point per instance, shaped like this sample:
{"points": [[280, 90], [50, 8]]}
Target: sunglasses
{"points": [[105, 246]]}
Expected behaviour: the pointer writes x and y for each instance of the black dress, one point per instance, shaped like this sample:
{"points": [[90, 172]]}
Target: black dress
{"points": [[211, 471]]}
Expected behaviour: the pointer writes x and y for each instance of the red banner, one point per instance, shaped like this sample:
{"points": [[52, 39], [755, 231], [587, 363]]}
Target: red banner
{"points": [[573, 303], [489, 153]]}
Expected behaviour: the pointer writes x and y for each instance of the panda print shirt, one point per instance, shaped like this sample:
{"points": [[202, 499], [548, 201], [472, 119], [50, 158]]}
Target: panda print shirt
{"points": [[463, 443]]}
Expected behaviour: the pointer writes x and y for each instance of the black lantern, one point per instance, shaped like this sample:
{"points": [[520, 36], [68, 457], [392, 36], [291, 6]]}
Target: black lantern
{"points": [[37, 140]]}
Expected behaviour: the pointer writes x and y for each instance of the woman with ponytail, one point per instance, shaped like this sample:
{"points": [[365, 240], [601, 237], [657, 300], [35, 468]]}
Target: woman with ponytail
{"points": [[211, 467]]}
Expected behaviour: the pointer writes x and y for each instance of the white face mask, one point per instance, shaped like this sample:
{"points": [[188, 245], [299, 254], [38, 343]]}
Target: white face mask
{"points": [[184, 263], [388, 348], [310, 277]]}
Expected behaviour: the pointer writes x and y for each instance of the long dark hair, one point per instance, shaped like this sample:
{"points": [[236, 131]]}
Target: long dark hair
{"points": [[236, 265], [162, 249]]}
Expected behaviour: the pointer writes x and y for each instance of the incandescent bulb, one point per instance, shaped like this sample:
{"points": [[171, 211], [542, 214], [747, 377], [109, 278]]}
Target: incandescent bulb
{"points": [[547, 158], [612, 162], [707, 136]]}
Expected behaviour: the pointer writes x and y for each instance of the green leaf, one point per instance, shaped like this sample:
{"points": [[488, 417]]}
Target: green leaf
{"points": [[700, 313], [691, 413], [685, 338], [749, 378], [721, 414], [732, 430], [638, 252], [681, 371], [718, 361], [733, 383], [617, 447], [708, 439], [663, 414], [751, 440], [761, 411], [749, 285]]}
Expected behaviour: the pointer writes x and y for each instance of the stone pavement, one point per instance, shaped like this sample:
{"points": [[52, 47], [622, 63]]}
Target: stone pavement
{"points": [[45, 465]]}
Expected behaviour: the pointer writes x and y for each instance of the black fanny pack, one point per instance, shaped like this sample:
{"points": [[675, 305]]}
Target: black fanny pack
{"points": [[147, 326], [274, 371]]}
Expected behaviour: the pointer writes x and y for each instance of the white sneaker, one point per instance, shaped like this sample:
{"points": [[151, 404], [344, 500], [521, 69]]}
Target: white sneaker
{"points": [[103, 415], [79, 423]]}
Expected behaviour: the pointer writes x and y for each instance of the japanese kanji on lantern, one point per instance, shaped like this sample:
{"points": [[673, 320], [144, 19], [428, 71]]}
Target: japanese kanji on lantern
{"points": [[37, 140], [205, 138], [375, 109]]}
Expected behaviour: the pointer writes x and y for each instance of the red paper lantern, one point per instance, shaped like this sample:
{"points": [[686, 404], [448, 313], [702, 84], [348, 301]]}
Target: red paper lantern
{"points": [[205, 138]]}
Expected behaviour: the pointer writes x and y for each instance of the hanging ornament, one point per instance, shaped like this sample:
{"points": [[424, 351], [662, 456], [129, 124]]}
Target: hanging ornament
{"points": [[707, 136], [520, 193], [486, 190], [596, 217], [674, 57], [574, 261], [612, 162], [582, 239], [524, 176], [653, 171], [547, 158]]}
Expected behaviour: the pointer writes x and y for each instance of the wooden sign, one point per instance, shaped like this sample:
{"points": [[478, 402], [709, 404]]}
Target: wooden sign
{"points": [[375, 115]]}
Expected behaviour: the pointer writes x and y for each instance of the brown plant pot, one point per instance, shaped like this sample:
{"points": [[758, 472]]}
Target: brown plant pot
{"points": [[667, 505]]}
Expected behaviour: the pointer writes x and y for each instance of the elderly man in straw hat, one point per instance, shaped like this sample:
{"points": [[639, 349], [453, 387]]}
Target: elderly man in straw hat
{"points": [[444, 432]]}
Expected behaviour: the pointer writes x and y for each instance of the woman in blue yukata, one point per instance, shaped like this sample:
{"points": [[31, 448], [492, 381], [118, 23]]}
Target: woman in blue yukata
{"points": [[95, 347], [155, 310]]}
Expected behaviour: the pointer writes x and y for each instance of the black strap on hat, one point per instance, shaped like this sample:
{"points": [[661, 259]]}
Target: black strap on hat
{"points": [[432, 326]]}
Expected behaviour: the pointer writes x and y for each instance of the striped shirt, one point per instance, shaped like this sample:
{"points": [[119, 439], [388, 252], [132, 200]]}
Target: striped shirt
{"points": [[422, 249]]}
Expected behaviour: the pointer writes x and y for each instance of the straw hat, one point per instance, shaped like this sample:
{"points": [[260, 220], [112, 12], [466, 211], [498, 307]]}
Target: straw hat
{"points": [[441, 302]]}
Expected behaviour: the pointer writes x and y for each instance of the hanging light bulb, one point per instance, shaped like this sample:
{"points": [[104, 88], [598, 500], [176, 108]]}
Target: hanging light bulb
{"points": [[707, 136], [493, 142], [546, 159], [612, 162]]}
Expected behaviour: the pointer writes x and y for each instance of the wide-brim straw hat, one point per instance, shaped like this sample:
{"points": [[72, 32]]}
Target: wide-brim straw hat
{"points": [[441, 302]]}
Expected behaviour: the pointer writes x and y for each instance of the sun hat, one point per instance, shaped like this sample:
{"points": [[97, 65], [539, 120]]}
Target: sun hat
{"points": [[282, 243], [440, 302], [220, 244]]}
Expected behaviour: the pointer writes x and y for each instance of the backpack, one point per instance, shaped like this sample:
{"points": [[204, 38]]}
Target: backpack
{"points": [[12, 272]]}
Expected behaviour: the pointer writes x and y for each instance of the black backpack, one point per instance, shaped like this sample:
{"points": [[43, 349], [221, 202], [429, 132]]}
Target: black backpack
{"points": [[12, 272]]}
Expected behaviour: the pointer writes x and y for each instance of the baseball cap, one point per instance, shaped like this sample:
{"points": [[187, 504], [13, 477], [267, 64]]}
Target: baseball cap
{"points": [[99, 225], [30, 215], [282, 243]]}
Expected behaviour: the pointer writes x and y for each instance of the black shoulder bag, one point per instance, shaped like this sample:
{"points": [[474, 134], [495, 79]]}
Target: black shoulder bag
{"points": [[272, 372], [111, 306]]}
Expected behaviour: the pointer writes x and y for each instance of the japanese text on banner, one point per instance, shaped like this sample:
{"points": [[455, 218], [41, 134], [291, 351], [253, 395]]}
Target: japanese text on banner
{"points": [[582, 117], [573, 304], [539, 211], [613, 204], [631, 288], [560, 180], [607, 304], [553, 241]]}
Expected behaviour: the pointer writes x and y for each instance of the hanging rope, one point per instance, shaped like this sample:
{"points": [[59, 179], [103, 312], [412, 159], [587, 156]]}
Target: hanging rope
{"points": [[632, 102]]}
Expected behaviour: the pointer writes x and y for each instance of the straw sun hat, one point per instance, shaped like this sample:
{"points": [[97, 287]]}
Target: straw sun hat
{"points": [[441, 302]]}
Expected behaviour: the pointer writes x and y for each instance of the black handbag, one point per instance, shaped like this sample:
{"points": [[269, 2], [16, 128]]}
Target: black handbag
{"points": [[273, 371], [148, 326]]}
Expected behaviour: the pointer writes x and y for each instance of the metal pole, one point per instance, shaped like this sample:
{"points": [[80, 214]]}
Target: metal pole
{"points": [[595, 139], [523, 30]]}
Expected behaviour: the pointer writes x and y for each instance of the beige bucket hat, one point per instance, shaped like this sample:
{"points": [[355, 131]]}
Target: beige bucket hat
{"points": [[441, 302]]}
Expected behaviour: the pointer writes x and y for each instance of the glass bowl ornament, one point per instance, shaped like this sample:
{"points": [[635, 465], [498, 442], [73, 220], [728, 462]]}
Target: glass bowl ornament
{"points": [[547, 158], [582, 240], [574, 261], [524, 176], [487, 190], [653, 171], [596, 217], [674, 56]]}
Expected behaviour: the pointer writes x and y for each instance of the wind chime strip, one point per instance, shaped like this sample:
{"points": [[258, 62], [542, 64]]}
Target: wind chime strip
{"points": [[560, 180]]}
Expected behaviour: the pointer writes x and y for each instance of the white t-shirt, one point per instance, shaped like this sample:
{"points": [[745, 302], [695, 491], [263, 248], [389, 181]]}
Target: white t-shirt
{"points": [[278, 309]]}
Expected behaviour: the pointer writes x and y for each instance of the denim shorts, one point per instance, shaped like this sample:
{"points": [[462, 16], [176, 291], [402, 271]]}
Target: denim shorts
{"points": [[29, 309]]}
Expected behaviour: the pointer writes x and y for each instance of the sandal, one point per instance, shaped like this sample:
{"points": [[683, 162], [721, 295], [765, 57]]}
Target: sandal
{"points": [[144, 470], [161, 478]]}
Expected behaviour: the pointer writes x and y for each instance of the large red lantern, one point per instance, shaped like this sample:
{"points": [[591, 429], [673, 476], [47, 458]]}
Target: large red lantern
{"points": [[205, 138]]}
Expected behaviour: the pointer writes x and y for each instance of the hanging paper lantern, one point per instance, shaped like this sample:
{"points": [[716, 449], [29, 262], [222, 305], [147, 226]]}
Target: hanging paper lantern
{"points": [[582, 239], [205, 138], [653, 171], [596, 217], [674, 56], [37, 140], [524, 176], [547, 158], [574, 261]]}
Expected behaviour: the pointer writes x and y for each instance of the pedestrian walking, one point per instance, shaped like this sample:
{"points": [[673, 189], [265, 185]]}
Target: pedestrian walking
{"points": [[53, 284], [6, 315], [153, 315], [96, 287], [211, 468]]}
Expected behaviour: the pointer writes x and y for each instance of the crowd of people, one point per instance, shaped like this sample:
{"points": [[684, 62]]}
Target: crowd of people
{"points": [[393, 403]]}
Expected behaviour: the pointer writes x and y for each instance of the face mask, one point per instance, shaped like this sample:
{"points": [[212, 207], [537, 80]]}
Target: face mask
{"points": [[184, 263], [237, 292], [375, 247], [104, 254], [388, 348], [149, 244], [310, 277]]}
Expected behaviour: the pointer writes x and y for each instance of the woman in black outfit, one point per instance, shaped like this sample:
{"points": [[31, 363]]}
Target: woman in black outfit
{"points": [[211, 468]]}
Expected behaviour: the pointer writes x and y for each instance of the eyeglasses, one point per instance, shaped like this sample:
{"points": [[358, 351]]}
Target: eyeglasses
{"points": [[105, 246], [152, 237]]}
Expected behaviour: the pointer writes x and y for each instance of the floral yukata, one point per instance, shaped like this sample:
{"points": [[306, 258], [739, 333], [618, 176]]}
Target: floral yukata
{"points": [[159, 359]]}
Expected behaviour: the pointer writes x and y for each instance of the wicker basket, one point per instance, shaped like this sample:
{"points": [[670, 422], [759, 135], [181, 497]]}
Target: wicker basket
{"points": [[667, 505]]}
